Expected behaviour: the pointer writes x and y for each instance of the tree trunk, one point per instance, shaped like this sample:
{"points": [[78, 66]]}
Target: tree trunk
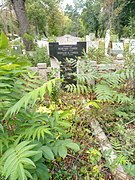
{"points": [[19, 8]]}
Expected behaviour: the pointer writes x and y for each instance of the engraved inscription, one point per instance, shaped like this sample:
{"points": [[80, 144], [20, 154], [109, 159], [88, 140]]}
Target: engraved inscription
{"points": [[67, 50]]}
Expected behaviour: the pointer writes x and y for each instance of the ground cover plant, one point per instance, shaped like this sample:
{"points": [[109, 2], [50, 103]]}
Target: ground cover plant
{"points": [[115, 92], [29, 138], [45, 132]]}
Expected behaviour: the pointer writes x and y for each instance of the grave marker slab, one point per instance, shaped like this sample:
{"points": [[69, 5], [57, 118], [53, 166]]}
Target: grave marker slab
{"points": [[92, 44], [117, 48], [132, 46], [67, 39], [70, 51]]}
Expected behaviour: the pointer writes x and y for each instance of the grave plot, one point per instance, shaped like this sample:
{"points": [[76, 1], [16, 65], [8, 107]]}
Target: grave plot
{"points": [[67, 54]]}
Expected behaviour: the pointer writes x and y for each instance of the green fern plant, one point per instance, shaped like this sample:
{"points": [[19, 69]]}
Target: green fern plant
{"points": [[119, 160], [16, 161], [130, 169], [10, 71], [106, 93], [32, 97], [108, 86], [38, 133], [78, 88]]}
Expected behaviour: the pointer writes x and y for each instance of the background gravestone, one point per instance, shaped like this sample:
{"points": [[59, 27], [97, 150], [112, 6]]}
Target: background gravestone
{"points": [[64, 51], [132, 46], [67, 39], [117, 48], [107, 41], [43, 43], [91, 42]]}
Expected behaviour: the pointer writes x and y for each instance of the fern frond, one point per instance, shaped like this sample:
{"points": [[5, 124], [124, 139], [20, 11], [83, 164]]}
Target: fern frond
{"points": [[36, 132], [116, 145], [31, 97], [77, 89], [104, 92], [122, 98], [112, 79], [85, 78], [15, 160]]}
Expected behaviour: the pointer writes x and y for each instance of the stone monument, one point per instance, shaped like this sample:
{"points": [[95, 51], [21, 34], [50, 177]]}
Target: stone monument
{"points": [[67, 39], [132, 46], [107, 41]]}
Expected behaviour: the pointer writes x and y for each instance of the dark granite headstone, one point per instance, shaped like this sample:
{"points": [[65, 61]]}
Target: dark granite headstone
{"points": [[62, 52]]}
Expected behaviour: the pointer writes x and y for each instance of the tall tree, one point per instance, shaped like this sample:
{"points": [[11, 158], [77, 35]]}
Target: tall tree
{"points": [[74, 14], [90, 16], [19, 8], [46, 17]]}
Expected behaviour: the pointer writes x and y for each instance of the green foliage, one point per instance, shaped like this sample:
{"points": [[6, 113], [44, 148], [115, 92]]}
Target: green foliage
{"points": [[60, 147], [130, 169], [94, 156], [22, 94], [77, 89], [90, 16], [16, 161], [75, 23], [11, 67], [44, 17], [126, 18], [39, 127], [40, 55], [107, 86], [31, 97], [98, 55], [3, 41], [112, 164]]}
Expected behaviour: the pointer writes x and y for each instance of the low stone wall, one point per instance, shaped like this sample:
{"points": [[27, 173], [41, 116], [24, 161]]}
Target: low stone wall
{"points": [[43, 70]]}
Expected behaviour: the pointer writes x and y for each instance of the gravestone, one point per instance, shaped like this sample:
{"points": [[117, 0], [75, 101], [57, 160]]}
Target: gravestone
{"points": [[107, 41], [55, 64], [43, 43], [92, 44], [92, 36], [67, 39], [132, 46], [67, 54], [117, 48]]}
